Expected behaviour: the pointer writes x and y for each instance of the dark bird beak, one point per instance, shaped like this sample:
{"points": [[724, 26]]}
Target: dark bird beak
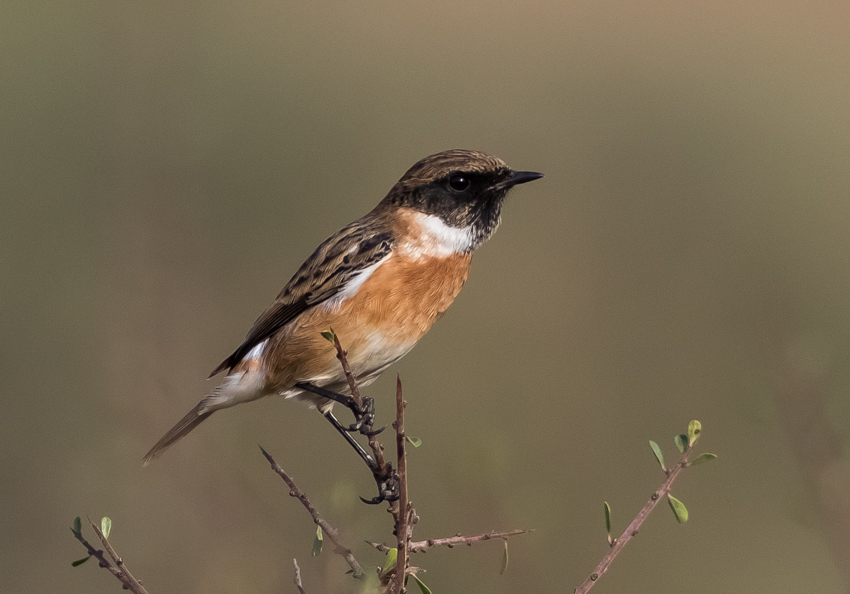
{"points": [[520, 177]]}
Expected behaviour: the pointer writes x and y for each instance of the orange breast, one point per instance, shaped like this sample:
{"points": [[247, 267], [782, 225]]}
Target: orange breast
{"points": [[404, 296], [390, 312]]}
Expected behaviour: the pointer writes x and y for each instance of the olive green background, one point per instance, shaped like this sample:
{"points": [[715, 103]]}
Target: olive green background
{"points": [[166, 166]]}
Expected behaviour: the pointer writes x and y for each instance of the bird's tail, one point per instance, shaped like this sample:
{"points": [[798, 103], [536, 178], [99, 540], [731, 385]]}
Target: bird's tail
{"points": [[176, 433]]}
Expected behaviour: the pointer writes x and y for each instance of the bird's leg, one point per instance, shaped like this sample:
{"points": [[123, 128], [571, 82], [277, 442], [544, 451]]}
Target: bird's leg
{"points": [[364, 416], [385, 477], [369, 460]]}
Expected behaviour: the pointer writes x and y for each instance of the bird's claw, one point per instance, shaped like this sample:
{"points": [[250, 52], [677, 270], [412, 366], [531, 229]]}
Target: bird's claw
{"points": [[374, 432], [364, 418], [388, 488]]}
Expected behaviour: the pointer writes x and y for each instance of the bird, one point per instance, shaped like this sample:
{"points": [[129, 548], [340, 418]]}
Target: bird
{"points": [[379, 283]]}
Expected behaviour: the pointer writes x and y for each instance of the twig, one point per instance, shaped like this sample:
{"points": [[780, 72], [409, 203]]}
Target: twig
{"points": [[374, 444], [402, 512], [452, 541], [404, 516], [403, 526], [632, 530], [332, 532], [346, 368], [298, 577], [117, 567]]}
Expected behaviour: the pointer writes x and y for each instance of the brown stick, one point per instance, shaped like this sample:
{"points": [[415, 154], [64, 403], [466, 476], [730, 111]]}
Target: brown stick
{"points": [[117, 567], [298, 578], [422, 546], [402, 526], [632, 530], [346, 369], [374, 444], [332, 532], [403, 513]]}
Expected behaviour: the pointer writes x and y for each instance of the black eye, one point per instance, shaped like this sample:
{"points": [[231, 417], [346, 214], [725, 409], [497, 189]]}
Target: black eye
{"points": [[459, 182]]}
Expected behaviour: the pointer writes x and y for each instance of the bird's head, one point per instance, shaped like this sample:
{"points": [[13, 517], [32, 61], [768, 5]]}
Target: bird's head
{"points": [[464, 188]]}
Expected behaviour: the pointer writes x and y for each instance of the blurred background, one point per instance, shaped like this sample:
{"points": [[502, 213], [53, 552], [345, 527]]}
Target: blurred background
{"points": [[167, 166]]}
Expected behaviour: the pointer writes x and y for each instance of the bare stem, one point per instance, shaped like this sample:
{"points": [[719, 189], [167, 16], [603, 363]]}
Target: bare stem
{"points": [[116, 567], [298, 578], [403, 526], [332, 532], [403, 513], [632, 530], [374, 444], [346, 368], [452, 541]]}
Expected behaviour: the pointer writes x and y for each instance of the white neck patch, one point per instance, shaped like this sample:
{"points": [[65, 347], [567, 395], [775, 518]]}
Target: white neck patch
{"points": [[430, 237]]}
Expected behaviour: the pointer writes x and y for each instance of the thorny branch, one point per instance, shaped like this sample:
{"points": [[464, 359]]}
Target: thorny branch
{"points": [[298, 578], [332, 532], [116, 567], [405, 516], [381, 466], [422, 546], [617, 544]]}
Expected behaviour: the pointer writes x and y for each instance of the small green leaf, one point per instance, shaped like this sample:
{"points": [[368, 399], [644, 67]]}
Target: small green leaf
{"points": [[78, 525], [79, 562], [422, 587], [318, 542], [694, 429], [105, 526], [329, 335], [678, 508], [392, 557], [504, 567], [658, 455], [704, 458], [681, 441], [414, 441], [608, 518]]}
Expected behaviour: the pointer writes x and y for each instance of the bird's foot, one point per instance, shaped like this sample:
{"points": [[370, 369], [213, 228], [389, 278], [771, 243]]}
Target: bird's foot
{"points": [[364, 418], [388, 486]]}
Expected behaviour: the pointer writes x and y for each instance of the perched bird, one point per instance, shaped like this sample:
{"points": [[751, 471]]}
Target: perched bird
{"points": [[380, 283]]}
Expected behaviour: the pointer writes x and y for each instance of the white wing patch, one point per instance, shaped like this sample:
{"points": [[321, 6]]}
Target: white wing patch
{"points": [[257, 351], [354, 283]]}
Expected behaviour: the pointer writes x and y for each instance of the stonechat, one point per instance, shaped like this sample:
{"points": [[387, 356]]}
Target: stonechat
{"points": [[380, 283]]}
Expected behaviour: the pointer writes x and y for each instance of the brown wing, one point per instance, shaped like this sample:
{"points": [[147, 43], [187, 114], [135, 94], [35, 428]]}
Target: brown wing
{"points": [[326, 273]]}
